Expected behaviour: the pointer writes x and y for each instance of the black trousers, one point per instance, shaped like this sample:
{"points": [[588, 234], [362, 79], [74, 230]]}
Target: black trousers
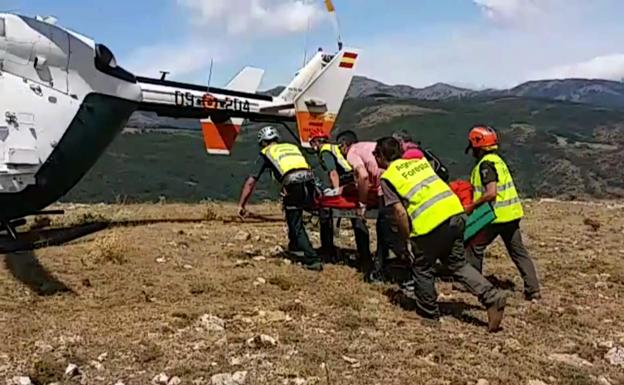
{"points": [[360, 230], [297, 197], [445, 243], [512, 237]]}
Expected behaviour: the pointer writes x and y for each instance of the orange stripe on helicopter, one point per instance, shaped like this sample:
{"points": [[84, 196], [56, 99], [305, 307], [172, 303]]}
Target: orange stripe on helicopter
{"points": [[219, 138], [348, 60]]}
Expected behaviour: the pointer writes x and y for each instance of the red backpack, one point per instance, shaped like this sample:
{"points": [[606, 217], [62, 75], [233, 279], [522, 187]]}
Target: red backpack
{"points": [[464, 190]]}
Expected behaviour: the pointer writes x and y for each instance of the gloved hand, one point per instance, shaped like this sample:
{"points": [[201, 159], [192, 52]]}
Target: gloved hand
{"points": [[332, 192]]}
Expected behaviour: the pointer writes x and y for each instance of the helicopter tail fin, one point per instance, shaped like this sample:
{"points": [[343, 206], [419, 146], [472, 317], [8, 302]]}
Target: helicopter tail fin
{"points": [[219, 137], [318, 105]]}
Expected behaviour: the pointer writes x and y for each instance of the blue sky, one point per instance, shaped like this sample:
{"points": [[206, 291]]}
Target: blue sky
{"points": [[475, 43]]}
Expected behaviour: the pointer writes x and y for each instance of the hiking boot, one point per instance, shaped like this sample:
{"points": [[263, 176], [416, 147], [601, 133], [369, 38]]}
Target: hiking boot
{"points": [[495, 313], [314, 265], [374, 276], [536, 296]]}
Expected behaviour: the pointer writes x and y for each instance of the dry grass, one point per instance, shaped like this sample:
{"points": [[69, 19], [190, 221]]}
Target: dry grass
{"points": [[140, 292]]}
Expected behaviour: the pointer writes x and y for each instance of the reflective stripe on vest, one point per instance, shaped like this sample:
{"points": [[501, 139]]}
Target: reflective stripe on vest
{"points": [[430, 201], [340, 159], [285, 157], [508, 206]]}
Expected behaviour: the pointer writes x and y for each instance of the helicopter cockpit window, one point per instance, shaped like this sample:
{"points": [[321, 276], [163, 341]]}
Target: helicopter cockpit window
{"points": [[2, 27], [105, 61]]}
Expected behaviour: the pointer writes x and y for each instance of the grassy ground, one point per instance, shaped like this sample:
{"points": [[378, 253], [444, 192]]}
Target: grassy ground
{"points": [[183, 299]]}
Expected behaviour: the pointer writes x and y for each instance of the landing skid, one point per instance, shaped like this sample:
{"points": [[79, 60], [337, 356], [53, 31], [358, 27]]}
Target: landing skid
{"points": [[36, 239]]}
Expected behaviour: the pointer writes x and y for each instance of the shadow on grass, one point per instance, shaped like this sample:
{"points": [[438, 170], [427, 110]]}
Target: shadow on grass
{"points": [[455, 309], [26, 268]]}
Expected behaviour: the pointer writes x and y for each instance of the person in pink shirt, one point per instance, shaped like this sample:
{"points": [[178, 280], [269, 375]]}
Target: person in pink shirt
{"points": [[368, 177], [410, 149]]}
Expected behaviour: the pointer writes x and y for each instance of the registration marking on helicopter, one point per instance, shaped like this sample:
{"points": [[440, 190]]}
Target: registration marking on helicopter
{"points": [[210, 102]]}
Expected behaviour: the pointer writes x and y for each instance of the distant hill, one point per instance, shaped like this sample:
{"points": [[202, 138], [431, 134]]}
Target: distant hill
{"points": [[588, 91], [555, 147]]}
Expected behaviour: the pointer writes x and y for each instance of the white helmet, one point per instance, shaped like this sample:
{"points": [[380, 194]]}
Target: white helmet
{"points": [[267, 133]]}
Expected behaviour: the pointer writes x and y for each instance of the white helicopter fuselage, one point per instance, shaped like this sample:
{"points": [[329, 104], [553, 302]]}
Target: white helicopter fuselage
{"points": [[63, 99]]}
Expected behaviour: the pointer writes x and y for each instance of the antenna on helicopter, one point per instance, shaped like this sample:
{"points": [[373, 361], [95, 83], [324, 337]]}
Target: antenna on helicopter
{"points": [[163, 74], [210, 73]]}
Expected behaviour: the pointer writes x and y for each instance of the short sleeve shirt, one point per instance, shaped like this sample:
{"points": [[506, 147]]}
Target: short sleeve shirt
{"points": [[361, 155], [329, 162], [261, 165], [390, 196], [488, 173]]}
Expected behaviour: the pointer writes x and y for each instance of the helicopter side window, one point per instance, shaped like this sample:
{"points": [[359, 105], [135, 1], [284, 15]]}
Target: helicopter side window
{"points": [[2, 27], [105, 61]]}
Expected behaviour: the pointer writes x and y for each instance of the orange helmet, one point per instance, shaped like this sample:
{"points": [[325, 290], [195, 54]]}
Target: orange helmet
{"points": [[483, 137], [317, 133]]}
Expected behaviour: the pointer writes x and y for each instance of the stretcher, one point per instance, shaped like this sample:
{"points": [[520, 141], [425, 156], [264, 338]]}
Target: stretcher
{"points": [[345, 206]]}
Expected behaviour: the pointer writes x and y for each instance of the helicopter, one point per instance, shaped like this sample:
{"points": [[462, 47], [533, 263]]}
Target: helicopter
{"points": [[64, 98]]}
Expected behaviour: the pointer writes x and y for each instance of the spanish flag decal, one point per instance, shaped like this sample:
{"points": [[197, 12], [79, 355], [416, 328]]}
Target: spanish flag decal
{"points": [[348, 60]]}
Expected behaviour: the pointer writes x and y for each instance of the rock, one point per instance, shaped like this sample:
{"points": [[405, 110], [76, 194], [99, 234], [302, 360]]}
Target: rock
{"points": [[276, 250], [242, 263], [615, 356], [187, 267], [601, 285], [236, 361], [259, 259], [249, 249], [261, 341], [161, 379], [174, 381], [211, 323], [536, 382], [21, 380], [570, 359], [273, 316], [482, 381], [259, 281], [238, 378], [602, 380], [350, 360], [161, 260], [119, 382], [513, 345], [102, 356], [97, 365], [72, 370], [242, 236], [606, 344], [43, 347]]}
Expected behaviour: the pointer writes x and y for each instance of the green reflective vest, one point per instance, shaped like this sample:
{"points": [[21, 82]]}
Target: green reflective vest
{"points": [[333, 149], [507, 206], [285, 157], [430, 201]]}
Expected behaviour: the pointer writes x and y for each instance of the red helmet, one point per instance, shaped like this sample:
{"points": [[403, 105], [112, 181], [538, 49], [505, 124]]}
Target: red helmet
{"points": [[317, 133], [483, 137]]}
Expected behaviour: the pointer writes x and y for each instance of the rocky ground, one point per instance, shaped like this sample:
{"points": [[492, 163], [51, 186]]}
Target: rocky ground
{"points": [[197, 298]]}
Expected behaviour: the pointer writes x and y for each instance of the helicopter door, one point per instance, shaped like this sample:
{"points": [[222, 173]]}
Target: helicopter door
{"points": [[51, 61]]}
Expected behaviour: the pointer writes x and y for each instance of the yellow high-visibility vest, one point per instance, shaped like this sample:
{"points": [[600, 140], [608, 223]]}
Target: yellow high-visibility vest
{"points": [[507, 206], [430, 201], [285, 157], [340, 159]]}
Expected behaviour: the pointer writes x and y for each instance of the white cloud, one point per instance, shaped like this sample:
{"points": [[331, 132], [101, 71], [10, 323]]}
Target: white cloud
{"points": [[255, 16], [512, 10], [514, 41], [609, 67]]}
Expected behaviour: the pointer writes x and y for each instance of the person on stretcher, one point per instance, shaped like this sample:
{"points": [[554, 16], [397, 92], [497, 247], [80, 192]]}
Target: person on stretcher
{"points": [[342, 191]]}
